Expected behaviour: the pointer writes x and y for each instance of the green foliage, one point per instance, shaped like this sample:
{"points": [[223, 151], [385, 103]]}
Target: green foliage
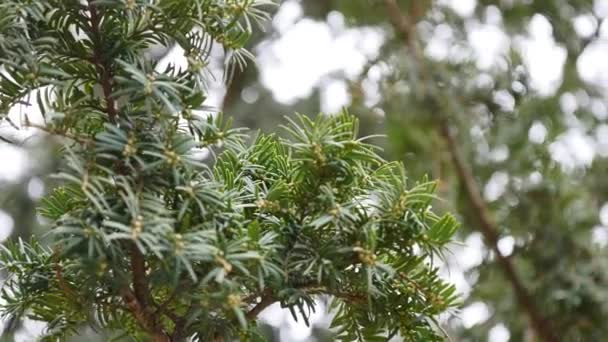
{"points": [[549, 210], [149, 239]]}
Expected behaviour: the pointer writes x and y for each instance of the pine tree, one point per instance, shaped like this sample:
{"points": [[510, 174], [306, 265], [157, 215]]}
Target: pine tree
{"points": [[149, 239]]}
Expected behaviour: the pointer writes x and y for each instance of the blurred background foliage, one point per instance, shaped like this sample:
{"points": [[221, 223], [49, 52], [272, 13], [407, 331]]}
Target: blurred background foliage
{"points": [[530, 129]]}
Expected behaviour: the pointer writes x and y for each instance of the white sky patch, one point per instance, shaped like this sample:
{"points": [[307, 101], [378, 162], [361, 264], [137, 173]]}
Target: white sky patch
{"points": [[604, 214], [543, 58], [250, 94], [295, 331], [334, 95], [474, 314], [35, 188], [601, 140], [535, 178], [599, 109], [287, 15], [299, 330], [175, 56], [493, 15], [464, 8], [7, 225], [372, 91], [505, 100], [496, 186], [452, 271], [29, 110], [489, 43], [599, 235], [309, 51], [600, 7], [573, 149], [463, 257], [537, 133], [591, 64], [499, 333], [216, 88], [471, 254], [457, 277], [439, 44], [603, 29], [585, 25], [15, 163], [31, 331], [272, 315], [506, 245], [499, 154], [568, 103], [484, 81]]}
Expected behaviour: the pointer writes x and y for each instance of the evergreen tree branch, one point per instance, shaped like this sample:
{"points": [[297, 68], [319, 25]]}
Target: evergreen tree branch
{"points": [[8, 141], [220, 229], [405, 26], [266, 301], [101, 64], [142, 297], [140, 315], [61, 133]]}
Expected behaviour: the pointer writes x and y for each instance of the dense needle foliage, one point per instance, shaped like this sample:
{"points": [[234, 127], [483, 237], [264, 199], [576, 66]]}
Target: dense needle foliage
{"points": [[519, 86], [150, 239]]}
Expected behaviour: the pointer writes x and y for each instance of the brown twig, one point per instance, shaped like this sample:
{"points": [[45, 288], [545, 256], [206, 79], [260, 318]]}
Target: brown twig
{"points": [[266, 301], [142, 317], [405, 25], [54, 131], [101, 64], [63, 284], [65, 287], [138, 267], [139, 300], [489, 230], [351, 297], [8, 141]]}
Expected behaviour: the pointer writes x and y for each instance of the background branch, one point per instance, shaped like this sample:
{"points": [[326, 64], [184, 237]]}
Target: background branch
{"points": [[405, 26]]}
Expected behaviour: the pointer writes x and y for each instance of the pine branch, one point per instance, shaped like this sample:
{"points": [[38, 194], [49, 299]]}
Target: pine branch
{"points": [[405, 26]]}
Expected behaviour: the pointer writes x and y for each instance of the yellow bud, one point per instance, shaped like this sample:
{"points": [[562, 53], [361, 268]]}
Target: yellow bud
{"points": [[234, 301]]}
